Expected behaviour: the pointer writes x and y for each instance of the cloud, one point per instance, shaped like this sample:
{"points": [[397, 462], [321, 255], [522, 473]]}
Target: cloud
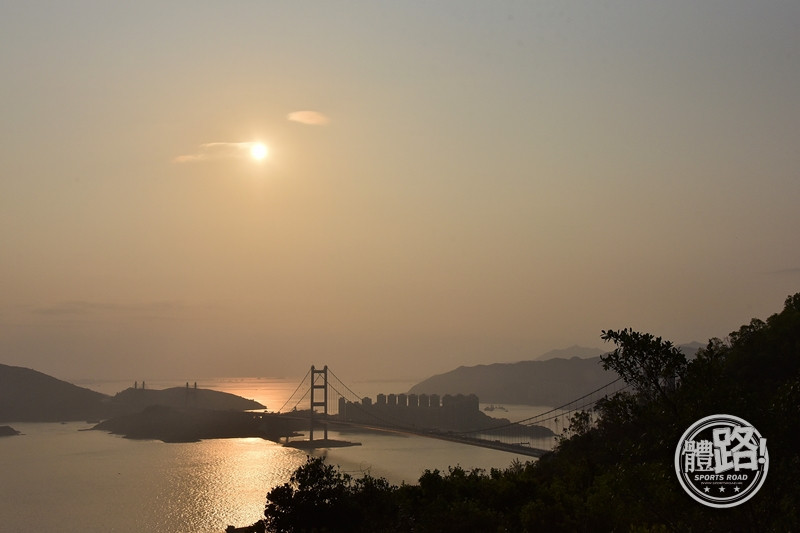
{"points": [[74, 308], [216, 151], [310, 118]]}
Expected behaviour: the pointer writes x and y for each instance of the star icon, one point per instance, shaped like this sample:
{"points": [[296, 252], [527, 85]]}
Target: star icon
{"points": [[736, 489], [707, 489], [722, 489]]}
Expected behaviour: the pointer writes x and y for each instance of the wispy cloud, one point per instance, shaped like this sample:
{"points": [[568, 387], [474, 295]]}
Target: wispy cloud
{"points": [[310, 118], [74, 308], [786, 271], [100, 311], [216, 151]]}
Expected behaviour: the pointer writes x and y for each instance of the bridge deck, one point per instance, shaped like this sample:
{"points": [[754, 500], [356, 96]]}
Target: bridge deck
{"points": [[453, 437]]}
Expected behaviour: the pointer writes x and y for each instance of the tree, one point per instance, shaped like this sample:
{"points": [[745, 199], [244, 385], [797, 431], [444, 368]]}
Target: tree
{"points": [[648, 363], [314, 499]]}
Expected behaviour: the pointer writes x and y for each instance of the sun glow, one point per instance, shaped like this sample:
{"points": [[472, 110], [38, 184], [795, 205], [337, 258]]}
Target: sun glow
{"points": [[258, 151]]}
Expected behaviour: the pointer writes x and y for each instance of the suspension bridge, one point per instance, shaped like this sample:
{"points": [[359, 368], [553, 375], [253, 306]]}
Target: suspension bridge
{"points": [[326, 402]]}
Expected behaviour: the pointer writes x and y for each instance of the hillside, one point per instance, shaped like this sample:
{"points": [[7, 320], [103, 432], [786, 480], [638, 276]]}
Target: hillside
{"points": [[569, 353], [550, 382], [30, 396], [134, 400]]}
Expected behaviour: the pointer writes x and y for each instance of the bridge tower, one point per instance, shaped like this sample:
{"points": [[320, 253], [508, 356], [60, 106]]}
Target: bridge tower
{"points": [[316, 402]]}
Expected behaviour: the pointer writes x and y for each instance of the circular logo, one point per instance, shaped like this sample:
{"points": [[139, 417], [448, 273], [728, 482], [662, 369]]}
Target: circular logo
{"points": [[721, 461]]}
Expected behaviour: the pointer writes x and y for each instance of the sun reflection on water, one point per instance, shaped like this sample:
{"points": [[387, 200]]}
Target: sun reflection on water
{"points": [[224, 482]]}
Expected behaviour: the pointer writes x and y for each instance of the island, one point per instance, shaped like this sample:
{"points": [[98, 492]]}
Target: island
{"points": [[8, 431], [176, 424]]}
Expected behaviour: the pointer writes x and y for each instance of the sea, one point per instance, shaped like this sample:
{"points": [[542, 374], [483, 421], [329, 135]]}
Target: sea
{"points": [[65, 477]]}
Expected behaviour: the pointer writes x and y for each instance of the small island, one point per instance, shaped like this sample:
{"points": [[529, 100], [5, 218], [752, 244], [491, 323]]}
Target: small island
{"points": [[8, 431], [176, 424], [306, 444]]}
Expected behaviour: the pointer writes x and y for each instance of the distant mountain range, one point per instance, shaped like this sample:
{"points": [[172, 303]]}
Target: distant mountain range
{"points": [[30, 396], [554, 378], [573, 351]]}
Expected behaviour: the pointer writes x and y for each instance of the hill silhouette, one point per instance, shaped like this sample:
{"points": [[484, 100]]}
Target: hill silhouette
{"points": [[30, 396], [134, 400], [552, 381], [8, 431], [568, 353]]}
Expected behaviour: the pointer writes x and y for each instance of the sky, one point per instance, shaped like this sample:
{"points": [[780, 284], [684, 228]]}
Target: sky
{"points": [[445, 184]]}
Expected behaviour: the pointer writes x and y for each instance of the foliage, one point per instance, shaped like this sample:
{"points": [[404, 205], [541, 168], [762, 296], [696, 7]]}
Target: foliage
{"points": [[611, 474], [318, 497], [651, 365]]}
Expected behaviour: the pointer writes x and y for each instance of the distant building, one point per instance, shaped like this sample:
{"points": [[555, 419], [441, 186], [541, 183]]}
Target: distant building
{"points": [[424, 401], [471, 402], [415, 411]]}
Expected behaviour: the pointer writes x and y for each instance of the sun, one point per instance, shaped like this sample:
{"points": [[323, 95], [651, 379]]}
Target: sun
{"points": [[258, 151]]}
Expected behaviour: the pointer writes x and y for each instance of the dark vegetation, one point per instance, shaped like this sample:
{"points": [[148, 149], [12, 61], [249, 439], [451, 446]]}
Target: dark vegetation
{"points": [[615, 470], [171, 424]]}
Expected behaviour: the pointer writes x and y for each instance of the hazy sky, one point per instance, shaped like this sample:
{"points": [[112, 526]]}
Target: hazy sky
{"points": [[447, 183]]}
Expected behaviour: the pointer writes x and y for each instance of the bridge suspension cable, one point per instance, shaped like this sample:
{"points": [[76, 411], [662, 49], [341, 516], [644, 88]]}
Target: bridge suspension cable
{"points": [[555, 413], [355, 397], [302, 382]]}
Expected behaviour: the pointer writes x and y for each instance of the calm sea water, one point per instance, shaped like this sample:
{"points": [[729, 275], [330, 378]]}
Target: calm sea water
{"points": [[56, 477]]}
